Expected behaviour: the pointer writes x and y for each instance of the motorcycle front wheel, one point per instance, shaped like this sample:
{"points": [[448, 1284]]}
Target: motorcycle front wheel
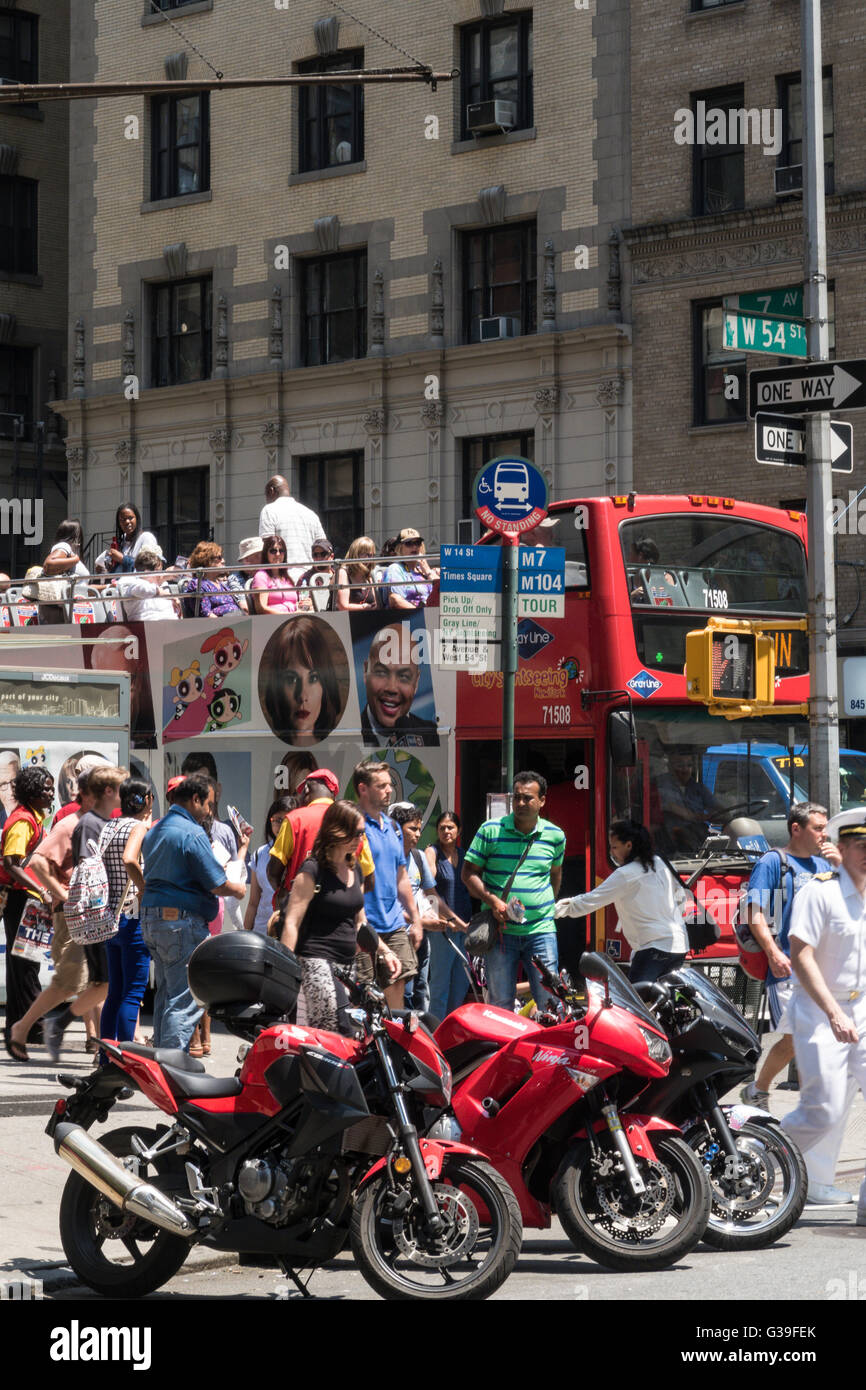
{"points": [[754, 1208], [603, 1217], [118, 1255], [471, 1257]]}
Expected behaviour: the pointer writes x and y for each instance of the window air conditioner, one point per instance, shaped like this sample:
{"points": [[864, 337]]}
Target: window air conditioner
{"points": [[468, 530], [788, 181], [491, 117], [498, 328]]}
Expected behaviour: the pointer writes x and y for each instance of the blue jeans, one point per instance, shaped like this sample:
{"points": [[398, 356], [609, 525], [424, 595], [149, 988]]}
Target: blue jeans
{"points": [[448, 979], [648, 965], [128, 965], [175, 1012], [417, 995], [501, 967]]}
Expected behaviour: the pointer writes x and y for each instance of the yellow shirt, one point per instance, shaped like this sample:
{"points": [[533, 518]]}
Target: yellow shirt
{"points": [[285, 842], [17, 839]]}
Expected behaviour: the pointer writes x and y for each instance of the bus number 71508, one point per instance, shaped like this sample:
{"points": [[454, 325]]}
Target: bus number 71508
{"points": [[715, 598]]}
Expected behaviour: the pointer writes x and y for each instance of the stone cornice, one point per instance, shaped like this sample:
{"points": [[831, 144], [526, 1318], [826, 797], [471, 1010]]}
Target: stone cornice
{"points": [[754, 238]]}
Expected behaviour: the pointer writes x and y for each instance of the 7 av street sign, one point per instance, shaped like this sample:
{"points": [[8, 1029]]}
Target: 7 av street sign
{"points": [[809, 390], [781, 439], [784, 303]]}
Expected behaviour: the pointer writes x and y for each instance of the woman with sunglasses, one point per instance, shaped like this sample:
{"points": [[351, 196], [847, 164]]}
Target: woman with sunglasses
{"points": [[319, 581], [208, 594], [273, 590], [260, 905], [325, 913]]}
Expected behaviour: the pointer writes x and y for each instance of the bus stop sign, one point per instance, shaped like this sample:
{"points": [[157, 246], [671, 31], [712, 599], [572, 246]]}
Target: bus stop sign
{"points": [[510, 495]]}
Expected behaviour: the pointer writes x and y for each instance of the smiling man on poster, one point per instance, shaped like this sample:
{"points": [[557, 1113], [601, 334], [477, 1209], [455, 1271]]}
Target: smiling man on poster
{"points": [[391, 675]]}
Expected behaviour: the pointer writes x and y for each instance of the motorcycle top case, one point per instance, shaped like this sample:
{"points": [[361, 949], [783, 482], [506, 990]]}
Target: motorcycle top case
{"points": [[244, 968]]}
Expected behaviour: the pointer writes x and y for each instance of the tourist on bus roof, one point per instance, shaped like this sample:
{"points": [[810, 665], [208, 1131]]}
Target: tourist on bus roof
{"points": [[283, 515]]}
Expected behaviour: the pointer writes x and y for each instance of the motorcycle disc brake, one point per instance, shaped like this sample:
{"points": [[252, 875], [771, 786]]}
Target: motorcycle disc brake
{"points": [[634, 1217], [455, 1242], [113, 1224], [739, 1198]]}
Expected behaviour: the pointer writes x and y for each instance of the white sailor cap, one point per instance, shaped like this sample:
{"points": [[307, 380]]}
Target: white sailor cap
{"points": [[847, 825]]}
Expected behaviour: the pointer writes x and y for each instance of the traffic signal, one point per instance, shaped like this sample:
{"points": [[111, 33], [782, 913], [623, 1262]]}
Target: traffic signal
{"points": [[731, 665]]}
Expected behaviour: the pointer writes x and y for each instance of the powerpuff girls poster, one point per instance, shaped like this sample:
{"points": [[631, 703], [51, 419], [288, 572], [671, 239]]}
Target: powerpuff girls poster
{"points": [[207, 680]]}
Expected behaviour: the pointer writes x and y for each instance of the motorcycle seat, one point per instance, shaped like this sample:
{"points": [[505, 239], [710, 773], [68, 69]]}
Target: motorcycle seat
{"points": [[185, 1085], [166, 1056]]}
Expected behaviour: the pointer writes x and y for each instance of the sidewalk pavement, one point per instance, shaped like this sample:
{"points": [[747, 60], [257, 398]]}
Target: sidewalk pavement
{"points": [[33, 1175]]}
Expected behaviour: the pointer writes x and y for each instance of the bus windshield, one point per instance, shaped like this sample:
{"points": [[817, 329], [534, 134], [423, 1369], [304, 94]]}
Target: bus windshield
{"points": [[713, 563], [695, 770]]}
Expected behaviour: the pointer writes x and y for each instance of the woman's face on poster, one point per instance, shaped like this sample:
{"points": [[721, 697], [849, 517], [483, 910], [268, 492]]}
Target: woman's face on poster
{"points": [[304, 701]]}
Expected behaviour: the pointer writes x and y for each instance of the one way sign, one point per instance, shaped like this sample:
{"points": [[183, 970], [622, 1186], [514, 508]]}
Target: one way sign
{"points": [[781, 439], [809, 390]]}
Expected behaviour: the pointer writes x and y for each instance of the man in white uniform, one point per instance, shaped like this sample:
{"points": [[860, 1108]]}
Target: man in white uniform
{"points": [[828, 1008], [282, 515]]}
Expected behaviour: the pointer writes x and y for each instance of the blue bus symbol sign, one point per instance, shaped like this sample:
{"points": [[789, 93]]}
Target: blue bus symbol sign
{"points": [[510, 495]]}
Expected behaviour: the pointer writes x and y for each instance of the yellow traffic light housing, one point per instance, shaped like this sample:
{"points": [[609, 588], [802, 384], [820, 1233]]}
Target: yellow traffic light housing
{"points": [[731, 667]]}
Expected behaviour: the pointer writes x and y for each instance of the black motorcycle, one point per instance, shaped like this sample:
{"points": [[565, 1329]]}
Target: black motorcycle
{"points": [[756, 1171]]}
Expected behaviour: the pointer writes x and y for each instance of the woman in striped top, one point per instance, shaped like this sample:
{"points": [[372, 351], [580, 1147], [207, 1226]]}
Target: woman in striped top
{"points": [[128, 957]]}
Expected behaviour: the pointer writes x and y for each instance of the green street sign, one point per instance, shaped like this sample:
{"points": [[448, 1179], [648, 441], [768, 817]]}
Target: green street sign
{"points": [[784, 303], [783, 339]]}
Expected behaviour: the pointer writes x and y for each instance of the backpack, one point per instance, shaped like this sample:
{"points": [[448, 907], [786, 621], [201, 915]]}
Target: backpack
{"points": [[87, 910], [750, 953]]}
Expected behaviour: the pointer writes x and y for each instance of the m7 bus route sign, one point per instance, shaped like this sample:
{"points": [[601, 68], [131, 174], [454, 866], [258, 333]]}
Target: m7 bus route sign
{"points": [[510, 495]]}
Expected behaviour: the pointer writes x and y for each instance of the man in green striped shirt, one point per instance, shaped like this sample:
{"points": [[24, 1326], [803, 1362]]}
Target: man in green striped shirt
{"points": [[490, 861]]}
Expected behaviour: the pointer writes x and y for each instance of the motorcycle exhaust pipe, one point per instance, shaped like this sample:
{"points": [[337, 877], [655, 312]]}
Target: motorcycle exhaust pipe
{"points": [[107, 1174]]}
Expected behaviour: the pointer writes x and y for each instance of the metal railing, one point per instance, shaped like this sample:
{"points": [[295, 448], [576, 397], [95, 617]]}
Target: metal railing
{"points": [[98, 597]]}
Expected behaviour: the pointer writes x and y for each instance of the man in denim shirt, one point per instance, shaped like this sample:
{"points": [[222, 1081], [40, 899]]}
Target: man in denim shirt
{"points": [[181, 877]]}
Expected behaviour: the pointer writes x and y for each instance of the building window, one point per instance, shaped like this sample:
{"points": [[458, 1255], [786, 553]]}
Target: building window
{"points": [[496, 65], [179, 510], [333, 486], [167, 4], [719, 376], [331, 119], [791, 103], [718, 168], [16, 392], [18, 48], [18, 249], [181, 332], [478, 451], [334, 300], [499, 279], [180, 145], [712, 4]]}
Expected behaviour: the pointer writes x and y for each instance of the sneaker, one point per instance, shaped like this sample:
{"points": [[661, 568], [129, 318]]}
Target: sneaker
{"points": [[750, 1095], [822, 1195], [52, 1035], [861, 1217]]}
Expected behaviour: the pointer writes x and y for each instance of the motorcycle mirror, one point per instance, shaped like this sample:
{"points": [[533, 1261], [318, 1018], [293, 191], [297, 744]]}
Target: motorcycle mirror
{"points": [[368, 939]]}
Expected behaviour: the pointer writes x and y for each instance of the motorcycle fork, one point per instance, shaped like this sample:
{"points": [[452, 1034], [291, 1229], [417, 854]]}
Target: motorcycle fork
{"points": [[409, 1136], [713, 1112], [621, 1144]]}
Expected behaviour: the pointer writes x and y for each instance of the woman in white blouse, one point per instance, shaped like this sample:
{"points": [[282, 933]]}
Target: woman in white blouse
{"points": [[648, 899]]}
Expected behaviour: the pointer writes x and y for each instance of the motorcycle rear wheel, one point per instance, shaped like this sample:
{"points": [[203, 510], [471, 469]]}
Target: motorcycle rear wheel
{"points": [[484, 1225], [576, 1201], [731, 1225], [88, 1222]]}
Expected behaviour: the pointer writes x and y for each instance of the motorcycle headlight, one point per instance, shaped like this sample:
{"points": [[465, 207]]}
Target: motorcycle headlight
{"points": [[658, 1048], [446, 1082]]}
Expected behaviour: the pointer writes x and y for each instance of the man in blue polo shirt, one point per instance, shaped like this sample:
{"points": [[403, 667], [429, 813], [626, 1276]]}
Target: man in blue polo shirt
{"points": [[181, 877], [391, 892]]}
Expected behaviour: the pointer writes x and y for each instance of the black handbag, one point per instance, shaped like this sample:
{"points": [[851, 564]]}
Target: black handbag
{"points": [[702, 928], [484, 931]]}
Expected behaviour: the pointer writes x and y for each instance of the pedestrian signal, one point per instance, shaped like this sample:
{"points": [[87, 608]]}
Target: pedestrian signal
{"points": [[730, 666]]}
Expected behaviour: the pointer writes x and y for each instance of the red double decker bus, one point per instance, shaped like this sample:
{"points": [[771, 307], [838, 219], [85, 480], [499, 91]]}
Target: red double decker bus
{"points": [[601, 708]]}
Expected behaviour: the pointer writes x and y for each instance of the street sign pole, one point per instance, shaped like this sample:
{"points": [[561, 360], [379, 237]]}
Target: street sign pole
{"points": [[823, 705], [508, 634]]}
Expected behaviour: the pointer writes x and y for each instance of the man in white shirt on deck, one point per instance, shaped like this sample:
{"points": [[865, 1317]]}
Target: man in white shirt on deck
{"points": [[282, 515], [827, 1012]]}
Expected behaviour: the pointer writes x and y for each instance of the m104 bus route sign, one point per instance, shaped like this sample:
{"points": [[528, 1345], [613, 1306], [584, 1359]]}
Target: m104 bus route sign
{"points": [[510, 495], [820, 386]]}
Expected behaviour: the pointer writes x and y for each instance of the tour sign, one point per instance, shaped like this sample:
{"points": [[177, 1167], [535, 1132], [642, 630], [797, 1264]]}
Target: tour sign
{"points": [[510, 495], [820, 386], [781, 439]]}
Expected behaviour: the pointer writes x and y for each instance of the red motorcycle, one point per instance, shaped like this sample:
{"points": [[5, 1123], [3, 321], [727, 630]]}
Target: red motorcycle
{"points": [[543, 1104], [309, 1145]]}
